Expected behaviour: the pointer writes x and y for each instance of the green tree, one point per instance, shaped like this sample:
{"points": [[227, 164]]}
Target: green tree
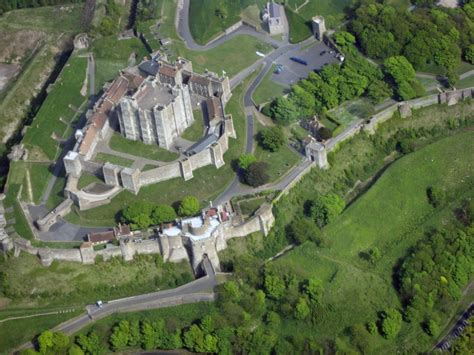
{"points": [[75, 350], [232, 292], [148, 335], [284, 111], [435, 196], [163, 213], [378, 91], [60, 342], [135, 334], [302, 310], [400, 69], [469, 53], [303, 99], [189, 206], [90, 343], [303, 229], [326, 208], [272, 138], [313, 288], [432, 328], [245, 160], [256, 174], [372, 327], [391, 323], [120, 335], [274, 286], [344, 38], [138, 215], [45, 341]]}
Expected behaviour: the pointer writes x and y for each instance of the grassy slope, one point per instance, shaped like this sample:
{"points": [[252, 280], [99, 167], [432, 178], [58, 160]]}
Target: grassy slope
{"points": [[207, 183], [392, 215], [59, 107], [104, 158], [57, 26]]}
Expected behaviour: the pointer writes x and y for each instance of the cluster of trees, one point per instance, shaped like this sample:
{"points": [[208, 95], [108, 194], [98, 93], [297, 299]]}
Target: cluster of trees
{"points": [[271, 138], [8, 5], [401, 72], [252, 171], [324, 209], [109, 24], [426, 36], [434, 273], [141, 215], [147, 9]]}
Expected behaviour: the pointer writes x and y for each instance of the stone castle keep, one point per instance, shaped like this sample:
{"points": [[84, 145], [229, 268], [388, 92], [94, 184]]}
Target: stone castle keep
{"points": [[152, 103], [156, 113]]}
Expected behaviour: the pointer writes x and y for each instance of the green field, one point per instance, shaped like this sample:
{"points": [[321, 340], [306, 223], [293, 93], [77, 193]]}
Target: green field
{"points": [[279, 162], [61, 106], [207, 183], [391, 216], [87, 179], [34, 289], [150, 151], [113, 159], [268, 89]]}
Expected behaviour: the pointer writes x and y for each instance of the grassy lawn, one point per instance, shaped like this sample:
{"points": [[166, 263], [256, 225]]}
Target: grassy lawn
{"points": [[279, 162], [350, 111], [21, 226], [87, 179], [66, 284], [57, 111], [57, 193], [268, 89], [19, 331], [466, 83], [391, 216], [38, 173], [196, 130], [207, 183], [112, 55], [150, 151], [300, 27], [113, 159], [205, 24], [232, 56], [34, 288]]}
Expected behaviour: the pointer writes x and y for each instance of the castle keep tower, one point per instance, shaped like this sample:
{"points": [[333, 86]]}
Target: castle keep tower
{"points": [[319, 27]]}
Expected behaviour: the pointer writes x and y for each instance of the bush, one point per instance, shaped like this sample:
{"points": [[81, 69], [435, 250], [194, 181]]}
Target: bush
{"points": [[391, 323], [256, 174], [325, 133], [435, 196], [189, 206], [245, 160], [325, 208], [272, 138]]}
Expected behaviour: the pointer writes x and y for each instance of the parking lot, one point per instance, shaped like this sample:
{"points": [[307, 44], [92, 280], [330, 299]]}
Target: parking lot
{"points": [[293, 71]]}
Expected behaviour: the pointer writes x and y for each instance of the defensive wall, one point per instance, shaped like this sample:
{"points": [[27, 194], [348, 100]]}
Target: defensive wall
{"points": [[370, 125], [172, 249]]}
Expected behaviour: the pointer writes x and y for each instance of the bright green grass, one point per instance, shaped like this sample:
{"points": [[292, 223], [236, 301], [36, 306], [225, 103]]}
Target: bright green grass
{"points": [[39, 173], [21, 225], [300, 27], [150, 151], [205, 24], [232, 56], [57, 111], [57, 193], [87, 179], [196, 130], [112, 55], [17, 332], [466, 83], [391, 216], [279, 162], [268, 89], [113, 159], [207, 183], [332, 10]]}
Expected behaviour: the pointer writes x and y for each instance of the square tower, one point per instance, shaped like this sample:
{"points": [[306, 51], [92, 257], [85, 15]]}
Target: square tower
{"points": [[319, 27]]}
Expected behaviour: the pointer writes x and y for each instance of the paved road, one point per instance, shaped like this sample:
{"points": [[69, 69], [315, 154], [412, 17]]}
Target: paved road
{"points": [[185, 33]]}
